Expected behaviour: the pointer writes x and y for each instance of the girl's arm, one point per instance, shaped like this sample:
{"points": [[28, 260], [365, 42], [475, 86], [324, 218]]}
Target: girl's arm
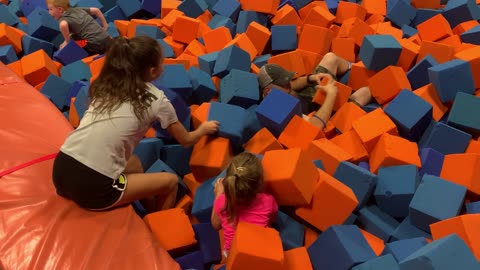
{"points": [[189, 138], [98, 13], [215, 219], [63, 25]]}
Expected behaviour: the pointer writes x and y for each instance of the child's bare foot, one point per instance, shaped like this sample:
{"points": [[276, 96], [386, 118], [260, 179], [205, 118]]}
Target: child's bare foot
{"points": [[362, 96]]}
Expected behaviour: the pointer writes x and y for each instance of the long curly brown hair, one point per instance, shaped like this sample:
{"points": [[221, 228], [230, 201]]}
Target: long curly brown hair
{"points": [[123, 77]]}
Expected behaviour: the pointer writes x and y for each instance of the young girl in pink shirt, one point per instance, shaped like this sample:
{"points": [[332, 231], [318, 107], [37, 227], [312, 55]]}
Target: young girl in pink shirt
{"points": [[239, 196]]}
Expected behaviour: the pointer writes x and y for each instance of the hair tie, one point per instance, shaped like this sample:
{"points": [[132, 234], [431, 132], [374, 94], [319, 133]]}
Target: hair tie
{"points": [[236, 176]]}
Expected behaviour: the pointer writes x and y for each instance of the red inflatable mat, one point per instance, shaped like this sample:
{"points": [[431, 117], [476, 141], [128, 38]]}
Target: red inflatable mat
{"points": [[40, 230]]}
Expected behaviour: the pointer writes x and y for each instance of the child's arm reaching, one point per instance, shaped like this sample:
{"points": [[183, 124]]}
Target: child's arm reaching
{"points": [[98, 13], [186, 138], [214, 219], [63, 25]]}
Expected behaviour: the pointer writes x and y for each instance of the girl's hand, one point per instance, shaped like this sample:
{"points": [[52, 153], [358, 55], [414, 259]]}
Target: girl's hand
{"points": [[208, 127], [218, 189], [330, 88]]}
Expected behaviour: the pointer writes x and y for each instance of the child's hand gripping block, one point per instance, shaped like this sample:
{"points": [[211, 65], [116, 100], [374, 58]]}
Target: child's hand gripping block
{"points": [[262, 142], [377, 222], [299, 133], [209, 157], [462, 169]]}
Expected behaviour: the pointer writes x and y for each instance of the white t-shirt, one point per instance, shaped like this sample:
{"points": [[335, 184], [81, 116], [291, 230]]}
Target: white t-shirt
{"points": [[104, 143]]}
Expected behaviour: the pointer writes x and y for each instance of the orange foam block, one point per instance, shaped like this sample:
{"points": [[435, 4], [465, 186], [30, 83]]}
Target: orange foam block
{"points": [[473, 147], [375, 243], [329, 153], [151, 133], [310, 59], [435, 28], [297, 259], [290, 176], [347, 10], [166, 233], [8, 36], [292, 61], [310, 235], [73, 117], [429, 94], [392, 150], [200, 114], [439, 51], [375, 7], [195, 48], [346, 115], [169, 20], [351, 143], [343, 94], [122, 27], [344, 47], [286, 15], [299, 133], [465, 226], [259, 35], [210, 156], [356, 29], [169, 5], [191, 184], [472, 56], [216, 39], [16, 67], [359, 75], [315, 39], [262, 142], [255, 247], [469, 173], [319, 16], [387, 83], [37, 66], [185, 29], [332, 203], [464, 26], [265, 6], [372, 125], [409, 54], [455, 41], [243, 42], [386, 28], [304, 11], [185, 203], [431, 4]]}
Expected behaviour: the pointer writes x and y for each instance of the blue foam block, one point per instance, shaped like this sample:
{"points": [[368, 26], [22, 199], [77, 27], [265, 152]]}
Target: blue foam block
{"points": [[395, 189], [464, 114], [239, 88], [380, 263], [379, 51], [418, 74], [28, 6], [8, 55], [364, 164], [152, 7], [231, 57], [284, 38], [177, 157], [115, 13], [232, 121], [301, 3], [438, 134], [203, 201], [193, 8], [413, 122], [276, 110], [432, 161], [436, 199], [340, 247], [57, 88], [319, 164], [206, 62], [219, 20], [473, 207], [139, 209], [148, 151], [131, 8], [7, 16], [449, 252], [150, 31], [252, 125], [108, 4], [81, 101], [288, 2], [458, 11], [70, 53], [90, 4], [246, 17], [441, 76], [208, 242], [203, 87], [423, 14], [31, 44], [76, 71], [291, 232], [227, 8], [406, 230], [400, 12], [41, 25], [73, 92], [401, 249], [332, 5], [351, 219], [261, 60], [166, 49], [193, 260], [361, 181], [176, 78], [471, 36], [211, 4], [408, 31], [377, 222]]}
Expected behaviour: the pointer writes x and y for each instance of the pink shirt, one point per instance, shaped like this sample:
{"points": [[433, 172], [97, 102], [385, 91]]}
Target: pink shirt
{"points": [[261, 211]]}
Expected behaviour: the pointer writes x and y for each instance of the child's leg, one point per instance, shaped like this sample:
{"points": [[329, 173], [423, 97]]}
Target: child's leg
{"points": [[362, 96], [134, 165], [335, 64]]}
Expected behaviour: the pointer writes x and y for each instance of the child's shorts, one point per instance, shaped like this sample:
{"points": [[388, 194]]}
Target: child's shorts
{"points": [[85, 186]]}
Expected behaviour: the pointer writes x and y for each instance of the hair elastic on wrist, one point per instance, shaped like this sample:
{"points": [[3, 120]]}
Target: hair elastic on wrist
{"points": [[321, 120]]}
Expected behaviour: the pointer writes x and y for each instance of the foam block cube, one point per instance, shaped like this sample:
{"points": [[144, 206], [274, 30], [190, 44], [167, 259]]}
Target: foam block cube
{"points": [[400, 12], [458, 11], [350, 142], [232, 121], [437, 133], [297, 259], [467, 176], [423, 14], [295, 183], [149, 31], [291, 232], [219, 20], [176, 157], [232, 57], [340, 247], [209, 157], [203, 201], [473, 207], [227, 8], [461, 116], [379, 51], [76, 71], [31, 44], [371, 126], [361, 181], [112, 14], [130, 8], [148, 150], [73, 91], [408, 31], [332, 203], [438, 255], [41, 25], [203, 87], [330, 154], [406, 230], [160, 166], [276, 110], [418, 74], [192, 260], [261, 142], [81, 101], [471, 36], [395, 189], [429, 94], [377, 222], [165, 232], [7, 16], [403, 248], [375, 243], [387, 83], [37, 66], [441, 74], [70, 53], [413, 122], [284, 38], [193, 8], [7, 54], [57, 88], [207, 61], [253, 125], [255, 246], [380, 263], [176, 78], [247, 17], [299, 133], [435, 199], [239, 88], [208, 241]]}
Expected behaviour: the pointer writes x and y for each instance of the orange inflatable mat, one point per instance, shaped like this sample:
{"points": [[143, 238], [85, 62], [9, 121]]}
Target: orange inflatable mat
{"points": [[40, 230]]}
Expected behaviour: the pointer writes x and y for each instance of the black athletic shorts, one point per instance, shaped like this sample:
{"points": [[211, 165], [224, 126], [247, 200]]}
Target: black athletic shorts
{"points": [[85, 186]]}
